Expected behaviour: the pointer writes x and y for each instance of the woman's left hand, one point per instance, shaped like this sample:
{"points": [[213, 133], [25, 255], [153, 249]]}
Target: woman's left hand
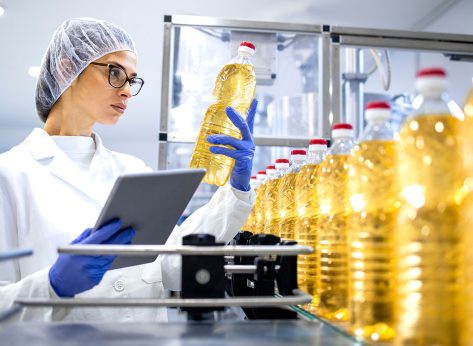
{"points": [[244, 148]]}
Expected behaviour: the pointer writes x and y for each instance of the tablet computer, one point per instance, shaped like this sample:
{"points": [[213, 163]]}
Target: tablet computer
{"points": [[151, 203]]}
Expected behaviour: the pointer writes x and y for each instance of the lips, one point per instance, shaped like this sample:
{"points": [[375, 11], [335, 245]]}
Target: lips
{"points": [[119, 107]]}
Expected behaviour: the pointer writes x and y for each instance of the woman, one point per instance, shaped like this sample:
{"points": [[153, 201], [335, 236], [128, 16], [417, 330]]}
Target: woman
{"points": [[55, 183]]}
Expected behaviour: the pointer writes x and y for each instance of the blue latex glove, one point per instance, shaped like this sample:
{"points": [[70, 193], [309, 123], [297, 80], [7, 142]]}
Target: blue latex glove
{"points": [[73, 274], [244, 148]]}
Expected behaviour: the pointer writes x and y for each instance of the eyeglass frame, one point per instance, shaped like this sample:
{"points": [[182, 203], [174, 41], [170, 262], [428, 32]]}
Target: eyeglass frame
{"points": [[126, 74]]}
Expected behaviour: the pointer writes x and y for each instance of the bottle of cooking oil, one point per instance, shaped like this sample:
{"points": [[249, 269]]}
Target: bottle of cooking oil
{"points": [[271, 198], [235, 87], [258, 220], [332, 227], [287, 202], [430, 178], [307, 208], [467, 222], [261, 223], [373, 191], [250, 221]]}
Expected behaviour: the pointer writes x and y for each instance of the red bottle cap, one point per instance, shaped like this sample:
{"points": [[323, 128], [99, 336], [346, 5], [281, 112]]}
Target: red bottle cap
{"points": [[378, 105], [342, 126], [282, 161], [298, 152], [248, 44], [431, 72], [320, 141]]}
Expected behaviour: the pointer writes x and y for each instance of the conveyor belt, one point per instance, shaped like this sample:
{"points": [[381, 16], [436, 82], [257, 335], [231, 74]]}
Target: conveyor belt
{"points": [[238, 333]]}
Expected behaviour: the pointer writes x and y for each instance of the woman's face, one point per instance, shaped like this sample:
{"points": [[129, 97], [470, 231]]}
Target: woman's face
{"points": [[95, 97]]}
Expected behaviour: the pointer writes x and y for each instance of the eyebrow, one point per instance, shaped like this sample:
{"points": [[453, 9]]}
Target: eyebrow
{"points": [[123, 67]]}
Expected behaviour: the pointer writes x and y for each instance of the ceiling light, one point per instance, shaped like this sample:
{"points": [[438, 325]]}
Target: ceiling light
{"points": [[33, 71], [2, 10]]}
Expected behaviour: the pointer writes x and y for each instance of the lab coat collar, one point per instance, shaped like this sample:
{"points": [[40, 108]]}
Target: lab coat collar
{"points": [[42, 147]]}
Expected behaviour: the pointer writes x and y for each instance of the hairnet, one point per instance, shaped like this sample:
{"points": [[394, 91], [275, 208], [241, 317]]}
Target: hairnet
{"points": [[75, 44]]}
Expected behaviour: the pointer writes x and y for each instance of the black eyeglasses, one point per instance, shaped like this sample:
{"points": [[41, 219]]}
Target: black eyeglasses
{"points": [[117, 78]]}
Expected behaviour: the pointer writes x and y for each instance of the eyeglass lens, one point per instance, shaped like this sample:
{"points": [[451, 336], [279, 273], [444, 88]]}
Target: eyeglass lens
{"points": [[118, 78]]}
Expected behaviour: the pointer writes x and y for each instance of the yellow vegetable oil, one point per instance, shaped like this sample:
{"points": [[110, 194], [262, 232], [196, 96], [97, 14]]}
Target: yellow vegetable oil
{"points": [[271, 198], [287, 202], [373, 199], [235, 86], [256, 226], [467, 222], [428, 234], [332, 227], [307, 209], [250, 221], [260, 198]]}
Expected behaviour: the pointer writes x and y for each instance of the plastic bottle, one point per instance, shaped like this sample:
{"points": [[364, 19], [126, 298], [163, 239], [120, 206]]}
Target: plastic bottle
{"points": [[260, 177], [271, 198], [467, 220], [235, 86], [308, 211], [332, 227], [261, 216], [250, 221], [430, 177], [374, 208], [287, 202]]}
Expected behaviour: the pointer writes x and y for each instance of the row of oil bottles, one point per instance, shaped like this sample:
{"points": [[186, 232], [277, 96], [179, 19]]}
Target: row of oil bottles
{"points": [[389, 217]]}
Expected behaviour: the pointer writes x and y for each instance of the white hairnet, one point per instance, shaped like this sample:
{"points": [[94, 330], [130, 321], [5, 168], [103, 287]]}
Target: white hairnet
{"points": [[75, 44]]}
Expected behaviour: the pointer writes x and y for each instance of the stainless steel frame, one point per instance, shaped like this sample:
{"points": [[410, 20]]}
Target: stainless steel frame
{"points": [[14, 254], [297, 299], [147, 250], [449, 44], [171, 21]]}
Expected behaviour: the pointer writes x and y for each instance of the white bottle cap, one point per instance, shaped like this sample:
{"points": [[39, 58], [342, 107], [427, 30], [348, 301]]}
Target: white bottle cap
{"points": [[377, 110], [270, 169], [342, 130], [431, 81], [298, 155], [261, 175], [281, 163], [246, 48], [317, 144]]}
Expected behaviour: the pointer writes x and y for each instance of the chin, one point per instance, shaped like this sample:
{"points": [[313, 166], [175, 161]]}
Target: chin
{"points": [[110, 120]]}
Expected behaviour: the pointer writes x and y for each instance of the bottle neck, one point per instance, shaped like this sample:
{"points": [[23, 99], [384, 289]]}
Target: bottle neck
{"points": [[377, 129], [296, 165], [280, 172], [341, 146], [429, 103], [316, 157], [242, 58]]}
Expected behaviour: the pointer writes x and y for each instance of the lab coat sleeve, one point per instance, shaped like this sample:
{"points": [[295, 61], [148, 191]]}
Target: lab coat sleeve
{"points": [[35, 285], [222, 217], [9, 270]]}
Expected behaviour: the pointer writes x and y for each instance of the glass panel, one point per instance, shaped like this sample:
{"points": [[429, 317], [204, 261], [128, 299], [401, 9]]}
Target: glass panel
{"points": [[397, 74], [286, 72]]}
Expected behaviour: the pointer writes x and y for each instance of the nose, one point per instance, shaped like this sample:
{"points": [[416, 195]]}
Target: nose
{"points": [[125, 90]]}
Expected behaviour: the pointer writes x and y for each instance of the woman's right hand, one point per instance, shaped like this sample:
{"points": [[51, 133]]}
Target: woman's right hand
{"points": [[73, 274]]}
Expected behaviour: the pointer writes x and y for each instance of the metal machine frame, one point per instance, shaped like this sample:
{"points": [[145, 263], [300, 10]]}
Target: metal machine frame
{"points": [[331, 40], [243, 25]]}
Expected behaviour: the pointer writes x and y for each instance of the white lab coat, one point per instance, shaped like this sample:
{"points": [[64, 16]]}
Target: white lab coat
{"points": [[44, 203]]}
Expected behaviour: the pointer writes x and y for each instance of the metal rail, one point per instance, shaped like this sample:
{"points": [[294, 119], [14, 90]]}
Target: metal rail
{"points": [[298, 299], [242, 269], [147, 250], [10, 312], [13, 254]]}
